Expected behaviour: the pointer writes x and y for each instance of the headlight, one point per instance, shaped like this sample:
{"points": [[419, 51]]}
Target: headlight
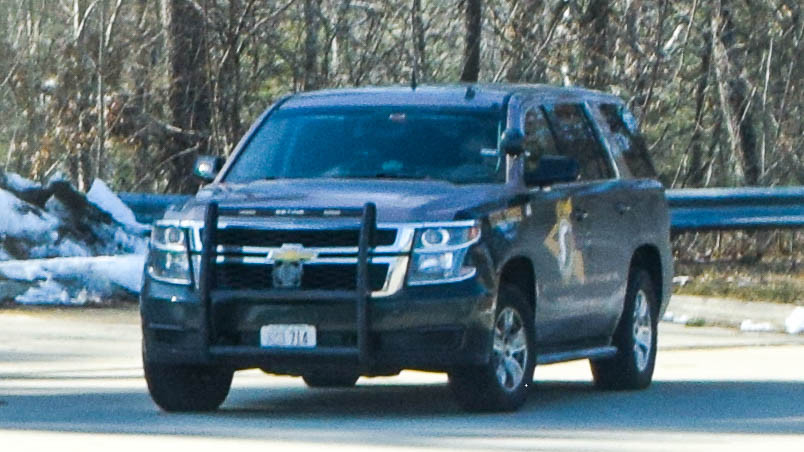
{"points": [[439, 254], [168, 236], [169, 260]]}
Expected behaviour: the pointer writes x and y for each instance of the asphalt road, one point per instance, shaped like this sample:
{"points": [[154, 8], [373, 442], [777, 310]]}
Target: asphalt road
{"points": [[71, 380]]}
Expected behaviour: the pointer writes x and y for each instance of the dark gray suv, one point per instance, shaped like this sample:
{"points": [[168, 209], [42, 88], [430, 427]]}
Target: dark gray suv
{"points": [[470, 229]]}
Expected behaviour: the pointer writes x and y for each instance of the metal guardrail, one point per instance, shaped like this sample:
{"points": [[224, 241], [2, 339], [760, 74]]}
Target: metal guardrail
{"points": [[704, 209], [746, 208]]}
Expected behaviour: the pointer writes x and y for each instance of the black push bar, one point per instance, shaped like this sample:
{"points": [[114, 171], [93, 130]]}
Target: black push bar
{"points": [[211, 297]]}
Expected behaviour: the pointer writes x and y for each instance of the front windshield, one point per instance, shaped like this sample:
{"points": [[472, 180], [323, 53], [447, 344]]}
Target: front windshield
{"points": [[457, 146]]}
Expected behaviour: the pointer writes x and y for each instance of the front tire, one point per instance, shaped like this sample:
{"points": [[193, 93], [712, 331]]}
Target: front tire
{"points": [[635, 339], [501, 384], [179, 388]]}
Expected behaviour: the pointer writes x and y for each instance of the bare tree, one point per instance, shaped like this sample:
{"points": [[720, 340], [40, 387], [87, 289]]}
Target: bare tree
{"points": [[735, 94], [189, 91], [471, 54], [312, 11], [595, 23], [719, 99]]}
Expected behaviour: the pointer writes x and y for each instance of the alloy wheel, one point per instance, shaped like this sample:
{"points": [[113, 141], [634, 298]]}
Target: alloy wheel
{"points": [[510, 349], [643, 330]]}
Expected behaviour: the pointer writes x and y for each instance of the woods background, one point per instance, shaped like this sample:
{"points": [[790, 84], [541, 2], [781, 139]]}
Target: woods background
{"points": [[131, 90]]}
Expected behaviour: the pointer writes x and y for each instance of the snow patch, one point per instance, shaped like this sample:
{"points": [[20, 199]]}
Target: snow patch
{"points": [[794, 323], [681, 280], [75, 280], [136, 244], [670, 317], [112, 238], [79, 248], [47, 292], [100, 195], [749, 325], [18, 183], [20, 219], [27, 270], [125, 271]]}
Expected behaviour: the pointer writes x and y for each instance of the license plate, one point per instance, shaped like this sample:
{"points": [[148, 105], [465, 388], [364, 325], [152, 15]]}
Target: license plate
{"points": [[292, 336]]}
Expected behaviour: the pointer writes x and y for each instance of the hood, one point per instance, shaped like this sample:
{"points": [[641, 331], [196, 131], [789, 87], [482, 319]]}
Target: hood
{"points": [[396, 200]]}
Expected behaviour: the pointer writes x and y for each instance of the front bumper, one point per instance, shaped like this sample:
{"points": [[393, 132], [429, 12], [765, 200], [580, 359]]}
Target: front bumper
{"points": [[433, 327], [428, 328]]}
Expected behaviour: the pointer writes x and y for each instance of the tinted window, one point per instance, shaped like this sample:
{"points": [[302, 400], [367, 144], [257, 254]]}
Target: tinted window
{"points": [[628, 140], [460, 147], [576, 139], [538, 139]]}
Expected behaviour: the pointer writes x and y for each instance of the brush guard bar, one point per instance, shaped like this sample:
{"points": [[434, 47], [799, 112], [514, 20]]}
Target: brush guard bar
{"points": [[210, 296]]}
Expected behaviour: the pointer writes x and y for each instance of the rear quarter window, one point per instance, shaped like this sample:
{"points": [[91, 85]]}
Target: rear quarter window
{"points": [[628, 140]]}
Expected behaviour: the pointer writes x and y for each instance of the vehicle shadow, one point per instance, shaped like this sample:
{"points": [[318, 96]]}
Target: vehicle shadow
{"points": [[416, 415], [725, 406]]}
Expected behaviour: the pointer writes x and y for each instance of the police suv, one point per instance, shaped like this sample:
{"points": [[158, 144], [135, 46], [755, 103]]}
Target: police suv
{"points": [[477, 230]]}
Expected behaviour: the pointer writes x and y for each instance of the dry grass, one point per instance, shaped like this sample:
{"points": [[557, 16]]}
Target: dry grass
{"points": [[749, 284], [761, 266]]}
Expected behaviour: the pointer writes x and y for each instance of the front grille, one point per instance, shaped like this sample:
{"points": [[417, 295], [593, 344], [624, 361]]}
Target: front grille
{"points": [[230, 276], [274, 238]]}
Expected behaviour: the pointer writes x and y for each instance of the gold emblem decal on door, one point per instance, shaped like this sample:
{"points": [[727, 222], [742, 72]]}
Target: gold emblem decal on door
{"points": [[562, 244]]}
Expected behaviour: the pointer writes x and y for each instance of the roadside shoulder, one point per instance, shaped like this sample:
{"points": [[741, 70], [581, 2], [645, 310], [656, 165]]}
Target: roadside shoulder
{"points": [[756, 316]]}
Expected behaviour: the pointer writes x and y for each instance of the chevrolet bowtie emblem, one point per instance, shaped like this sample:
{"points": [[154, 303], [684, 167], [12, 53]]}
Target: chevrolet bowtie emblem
{"points": [[292, 252]]}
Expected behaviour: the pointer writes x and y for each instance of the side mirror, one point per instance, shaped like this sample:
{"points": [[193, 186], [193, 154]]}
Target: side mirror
{"points": [[512, 142], [553, 169], [207, 167]]}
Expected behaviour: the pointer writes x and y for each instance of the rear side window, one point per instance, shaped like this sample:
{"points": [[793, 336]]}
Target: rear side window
{"points": [[538, 138], [576, 139], [627, 138]]}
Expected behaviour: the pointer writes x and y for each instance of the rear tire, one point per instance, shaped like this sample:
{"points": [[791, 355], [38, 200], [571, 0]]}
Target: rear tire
{"points": [[635, 339], [178, 388], [502, 384], [330, 380]]}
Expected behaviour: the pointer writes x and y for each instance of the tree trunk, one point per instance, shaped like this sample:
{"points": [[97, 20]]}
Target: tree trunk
{"points": [[471, 58], [595, 25], [339, 48], [142, 87], [734, 93], [312, 10], [419, 42], [228, 83], [188, 96], [697, 166], [522, 41]]}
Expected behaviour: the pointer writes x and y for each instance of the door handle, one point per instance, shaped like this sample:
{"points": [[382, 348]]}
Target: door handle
{"points": [[622, 208], [580, 214]]}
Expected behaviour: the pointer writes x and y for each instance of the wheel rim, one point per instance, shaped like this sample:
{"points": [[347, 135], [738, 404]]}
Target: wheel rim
{"points": [[510, 349], [643, 330]]}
